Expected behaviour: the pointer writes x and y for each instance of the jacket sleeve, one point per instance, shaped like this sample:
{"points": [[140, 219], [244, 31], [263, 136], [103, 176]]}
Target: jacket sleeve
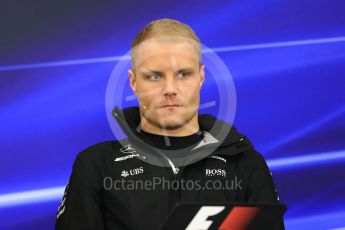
{"points": [[261, 187], [80, 206]]}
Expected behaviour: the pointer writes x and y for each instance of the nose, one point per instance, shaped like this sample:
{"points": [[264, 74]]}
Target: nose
{"points": [[170, 87]]}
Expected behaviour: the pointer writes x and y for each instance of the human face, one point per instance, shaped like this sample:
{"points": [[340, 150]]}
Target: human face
{"points": [[167, 78]]}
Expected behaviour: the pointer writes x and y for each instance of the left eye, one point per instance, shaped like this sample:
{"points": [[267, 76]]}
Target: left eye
{"points": [[183, 74]]}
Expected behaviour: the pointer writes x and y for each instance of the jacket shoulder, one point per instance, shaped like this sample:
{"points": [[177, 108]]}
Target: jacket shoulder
{"points": [[99, 150], [253, 157]]}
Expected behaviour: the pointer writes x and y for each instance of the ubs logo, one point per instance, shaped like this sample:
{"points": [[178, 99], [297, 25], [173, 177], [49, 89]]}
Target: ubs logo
{"points": [[132, 172]]}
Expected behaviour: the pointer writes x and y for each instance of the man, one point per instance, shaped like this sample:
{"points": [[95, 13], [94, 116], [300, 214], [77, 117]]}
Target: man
{"points": [[168, 141]]}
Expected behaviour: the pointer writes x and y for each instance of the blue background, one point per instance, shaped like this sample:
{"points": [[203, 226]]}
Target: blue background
{"points": [[287, 59]]}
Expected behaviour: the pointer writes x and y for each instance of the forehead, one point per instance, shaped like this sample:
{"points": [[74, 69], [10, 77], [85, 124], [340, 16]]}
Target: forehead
{"points": [[158, 54]]}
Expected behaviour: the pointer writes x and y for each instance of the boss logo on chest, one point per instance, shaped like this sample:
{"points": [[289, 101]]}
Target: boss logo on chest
{"points": [[215, 172]]}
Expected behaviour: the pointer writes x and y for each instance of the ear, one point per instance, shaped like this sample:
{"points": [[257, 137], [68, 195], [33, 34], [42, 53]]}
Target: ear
{"points": [[202, 74], [132, 81]]}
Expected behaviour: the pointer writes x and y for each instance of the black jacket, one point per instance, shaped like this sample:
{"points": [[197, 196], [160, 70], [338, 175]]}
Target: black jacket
{"points": [[102, 194]]}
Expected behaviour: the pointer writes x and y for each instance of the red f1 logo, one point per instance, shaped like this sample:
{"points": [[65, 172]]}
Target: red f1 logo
{"points": [[238, 218]]}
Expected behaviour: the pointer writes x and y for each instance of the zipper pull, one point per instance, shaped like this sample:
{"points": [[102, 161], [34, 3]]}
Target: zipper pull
{"points": [[176, 170]]}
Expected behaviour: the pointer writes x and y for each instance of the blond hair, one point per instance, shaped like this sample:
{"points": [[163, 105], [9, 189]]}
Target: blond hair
{"points": [[168, 28]]}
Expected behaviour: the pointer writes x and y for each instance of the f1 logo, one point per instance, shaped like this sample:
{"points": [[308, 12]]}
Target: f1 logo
{"points": [[237, 218], [200, 219]]}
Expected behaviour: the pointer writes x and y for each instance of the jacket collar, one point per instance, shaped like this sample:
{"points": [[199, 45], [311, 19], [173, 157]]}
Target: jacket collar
{"points": [[229, 140]]}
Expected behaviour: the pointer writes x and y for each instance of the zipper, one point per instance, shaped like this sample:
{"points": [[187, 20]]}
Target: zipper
{"points": [[174, 194], [171, 164]]}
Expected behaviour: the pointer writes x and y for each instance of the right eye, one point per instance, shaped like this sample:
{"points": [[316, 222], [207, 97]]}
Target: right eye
{"points": [[154, 77]]}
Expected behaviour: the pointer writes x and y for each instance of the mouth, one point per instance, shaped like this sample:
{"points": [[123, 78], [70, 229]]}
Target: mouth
{"points": [[170, 106]]}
